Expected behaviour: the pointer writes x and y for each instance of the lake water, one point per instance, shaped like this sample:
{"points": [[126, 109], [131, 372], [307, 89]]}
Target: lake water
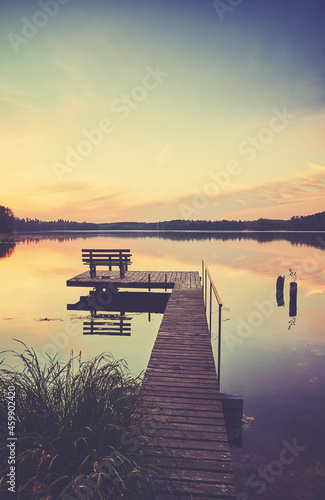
{"points": [[274, 360]]}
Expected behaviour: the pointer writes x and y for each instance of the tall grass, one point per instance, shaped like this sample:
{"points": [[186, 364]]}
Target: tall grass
{"points": [[74, 427]]}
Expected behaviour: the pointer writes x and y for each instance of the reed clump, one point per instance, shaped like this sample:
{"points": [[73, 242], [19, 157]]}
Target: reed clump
{"points": [[78, 428]]}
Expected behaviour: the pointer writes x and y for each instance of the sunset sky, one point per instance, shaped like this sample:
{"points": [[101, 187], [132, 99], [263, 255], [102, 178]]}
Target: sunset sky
{"points": [[150, 110]]}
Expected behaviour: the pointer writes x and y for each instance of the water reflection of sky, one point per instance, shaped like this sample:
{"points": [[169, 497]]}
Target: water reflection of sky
{"points": [[280, 372]]}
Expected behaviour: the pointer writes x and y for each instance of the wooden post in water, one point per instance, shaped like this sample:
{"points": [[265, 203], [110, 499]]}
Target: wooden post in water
{"points": [[293, 299], [279, 291], [149, 282]]}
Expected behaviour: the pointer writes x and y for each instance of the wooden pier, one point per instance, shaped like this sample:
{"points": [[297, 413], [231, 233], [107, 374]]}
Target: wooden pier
{"points": [[138, 279], [181, 389]]}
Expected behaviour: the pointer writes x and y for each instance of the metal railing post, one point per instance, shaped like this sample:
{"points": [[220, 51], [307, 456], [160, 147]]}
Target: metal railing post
{"points": [[210, 308], [205, 275], [219, 345]]}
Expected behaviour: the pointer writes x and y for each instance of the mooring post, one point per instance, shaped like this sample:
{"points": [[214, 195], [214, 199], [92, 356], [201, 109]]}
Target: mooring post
{"points": [[149, 282], [166, 282], [219, 344]]}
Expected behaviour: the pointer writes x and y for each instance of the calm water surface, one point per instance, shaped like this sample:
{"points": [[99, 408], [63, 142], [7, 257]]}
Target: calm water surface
{"points": [[275, 361]]}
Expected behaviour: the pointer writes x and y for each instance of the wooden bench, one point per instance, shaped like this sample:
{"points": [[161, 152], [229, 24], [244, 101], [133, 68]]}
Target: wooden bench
{"points": [[98, 257]]}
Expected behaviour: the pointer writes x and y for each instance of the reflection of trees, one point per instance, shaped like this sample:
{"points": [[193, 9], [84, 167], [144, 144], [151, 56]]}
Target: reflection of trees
{"points": [[305, 239], [316, 240], [6, 248]]}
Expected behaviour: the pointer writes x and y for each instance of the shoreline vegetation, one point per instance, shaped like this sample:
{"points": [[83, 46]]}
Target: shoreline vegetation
{"points": [[315, 222], [10, 224], [81, 429]]}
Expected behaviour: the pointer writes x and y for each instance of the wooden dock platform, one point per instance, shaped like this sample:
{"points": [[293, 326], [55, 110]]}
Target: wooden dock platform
{"points": [[138, 279], [181, 389]]}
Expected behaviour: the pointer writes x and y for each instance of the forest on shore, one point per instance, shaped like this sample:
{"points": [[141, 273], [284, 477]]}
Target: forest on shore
{"points": [[7, 220], [9, 224]]}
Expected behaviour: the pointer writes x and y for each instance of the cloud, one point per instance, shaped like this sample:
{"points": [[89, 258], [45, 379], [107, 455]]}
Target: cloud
{"points": [[163, 156], [8, 99], [305, 186], [55, 188], [84, 201]]}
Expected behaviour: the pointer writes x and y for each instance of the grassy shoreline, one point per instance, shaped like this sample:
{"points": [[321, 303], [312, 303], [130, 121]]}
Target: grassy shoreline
{"points": [[79, 429]]}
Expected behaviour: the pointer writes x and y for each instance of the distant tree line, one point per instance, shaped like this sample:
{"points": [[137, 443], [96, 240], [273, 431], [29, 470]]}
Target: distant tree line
{"points": [[314, 222], [7, 220], [31, 225]]}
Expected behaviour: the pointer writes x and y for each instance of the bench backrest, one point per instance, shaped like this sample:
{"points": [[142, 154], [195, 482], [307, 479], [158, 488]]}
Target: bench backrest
{"points": [[103, 254], [113, 255]]}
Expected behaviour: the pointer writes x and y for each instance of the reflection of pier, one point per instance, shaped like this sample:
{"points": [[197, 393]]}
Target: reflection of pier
{"points": [[121, 326], [122, 301], [180, 385]]}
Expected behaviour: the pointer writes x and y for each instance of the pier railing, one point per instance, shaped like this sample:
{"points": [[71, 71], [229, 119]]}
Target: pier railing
{"points": [[208, 284]]}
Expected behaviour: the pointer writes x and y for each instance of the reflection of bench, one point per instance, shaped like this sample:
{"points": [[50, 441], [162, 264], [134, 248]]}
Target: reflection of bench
{"points": [[120, 328], [94, 258]]}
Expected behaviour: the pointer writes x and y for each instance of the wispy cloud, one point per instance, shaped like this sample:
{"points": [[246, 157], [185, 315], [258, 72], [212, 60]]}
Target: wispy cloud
{"points": [[163, 156], [303, 186], [15, 96], [55, 188], [114, 203]]}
